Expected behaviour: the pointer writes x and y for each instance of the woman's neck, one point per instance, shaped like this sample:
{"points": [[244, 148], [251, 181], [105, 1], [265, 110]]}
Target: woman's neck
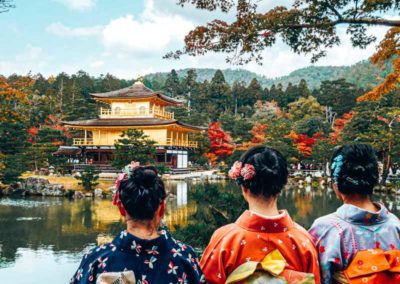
{"points": [[264, 206], [360, 201], [142, 230]]}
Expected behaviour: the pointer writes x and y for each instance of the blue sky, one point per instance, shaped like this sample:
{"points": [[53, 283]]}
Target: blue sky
{"points": [[127, 38]]}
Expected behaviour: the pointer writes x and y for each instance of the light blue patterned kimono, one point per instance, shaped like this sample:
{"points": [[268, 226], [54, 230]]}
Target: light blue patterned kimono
{"points": [[340, 235]]}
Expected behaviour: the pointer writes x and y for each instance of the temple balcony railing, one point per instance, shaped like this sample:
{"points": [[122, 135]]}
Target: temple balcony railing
{"points": [[155, 111], [169, 142], [181, 143], [82, 142]]}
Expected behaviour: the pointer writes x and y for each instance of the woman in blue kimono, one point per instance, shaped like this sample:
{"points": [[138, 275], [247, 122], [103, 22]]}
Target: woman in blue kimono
{"points": [[360, 242], [141, 253]]}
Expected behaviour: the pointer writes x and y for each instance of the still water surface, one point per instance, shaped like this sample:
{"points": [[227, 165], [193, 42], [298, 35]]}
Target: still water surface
{"points": [[43, 239]]}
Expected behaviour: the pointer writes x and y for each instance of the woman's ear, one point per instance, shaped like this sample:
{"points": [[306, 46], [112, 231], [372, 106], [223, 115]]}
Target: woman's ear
{"points": [[245, 192], [337, 192]]}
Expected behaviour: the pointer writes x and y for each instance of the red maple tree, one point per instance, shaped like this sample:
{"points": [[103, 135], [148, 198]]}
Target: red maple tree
{"points": [[303, 143], [338, 126], [221, 143]]}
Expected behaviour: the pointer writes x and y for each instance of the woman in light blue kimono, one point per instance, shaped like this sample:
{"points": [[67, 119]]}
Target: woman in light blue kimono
{"points": [[359, 243]]}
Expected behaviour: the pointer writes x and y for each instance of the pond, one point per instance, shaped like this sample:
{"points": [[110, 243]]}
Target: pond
{"points": [[43, 239]]}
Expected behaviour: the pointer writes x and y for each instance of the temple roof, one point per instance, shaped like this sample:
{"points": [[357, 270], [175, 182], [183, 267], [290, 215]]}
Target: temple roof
{"points": [[126, 122], [137, 91], [68, 151]]}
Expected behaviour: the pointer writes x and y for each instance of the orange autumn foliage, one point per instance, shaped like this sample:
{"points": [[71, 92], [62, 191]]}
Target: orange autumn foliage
{"points": [[221, 143], [303, 143], [12, 95], [258, 132], [52, 122], [259, 137], [338, 126], [388, 50]]}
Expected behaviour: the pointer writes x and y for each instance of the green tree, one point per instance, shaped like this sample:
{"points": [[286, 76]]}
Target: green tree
{"points": [[12, 145], [311, 126], [219, 93], [238, 97], [254, 93], [43, 145], [133, 145], [338, 94], [304, 90], [306, 108], [236, 126], [88, 178], [172, 84], [322, 152]]}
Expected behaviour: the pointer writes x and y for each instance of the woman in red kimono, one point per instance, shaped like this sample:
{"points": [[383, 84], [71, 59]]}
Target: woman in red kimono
{"points": [[264, 243]]}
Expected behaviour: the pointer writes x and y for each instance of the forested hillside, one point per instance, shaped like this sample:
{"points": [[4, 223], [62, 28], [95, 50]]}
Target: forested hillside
{"points": [[301, 122], [361, 74]]}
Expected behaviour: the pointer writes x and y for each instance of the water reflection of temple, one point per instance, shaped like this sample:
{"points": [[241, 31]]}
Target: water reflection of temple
{"points": [[97, 216], [179, 209]]}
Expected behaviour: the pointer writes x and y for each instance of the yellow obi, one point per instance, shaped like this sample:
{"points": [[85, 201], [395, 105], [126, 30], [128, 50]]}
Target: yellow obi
{"points": [[270, 270], [372, 266]]}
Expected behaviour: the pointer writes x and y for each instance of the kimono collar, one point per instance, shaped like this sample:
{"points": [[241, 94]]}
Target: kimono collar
{"points": [[130, 243], [252, 221], [356, 215]]}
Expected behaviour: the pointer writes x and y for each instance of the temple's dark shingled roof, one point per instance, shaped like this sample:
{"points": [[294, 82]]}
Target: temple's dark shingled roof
{"points": [[137, 90], [68, 151], [128, 122]]}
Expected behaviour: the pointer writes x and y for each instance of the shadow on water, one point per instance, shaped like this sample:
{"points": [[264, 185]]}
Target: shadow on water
{"points": [[49, 235]]}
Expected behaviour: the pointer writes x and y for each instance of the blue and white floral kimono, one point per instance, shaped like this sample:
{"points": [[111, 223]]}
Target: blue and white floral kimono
{"points": [[341, 235], [161, 260]]}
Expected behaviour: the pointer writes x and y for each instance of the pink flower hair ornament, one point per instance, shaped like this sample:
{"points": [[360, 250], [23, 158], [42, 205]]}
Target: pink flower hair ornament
{"points": [[241, 172]]}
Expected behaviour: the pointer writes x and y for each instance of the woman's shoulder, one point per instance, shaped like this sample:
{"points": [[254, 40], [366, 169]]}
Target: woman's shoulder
{"points": [[393, 220], [324, 225]]}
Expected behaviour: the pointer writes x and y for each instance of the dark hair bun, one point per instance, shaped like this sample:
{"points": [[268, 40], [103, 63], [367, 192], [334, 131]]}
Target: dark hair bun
{"points": [[359, 171], [145, 177], [142, 193], [271, 171]]}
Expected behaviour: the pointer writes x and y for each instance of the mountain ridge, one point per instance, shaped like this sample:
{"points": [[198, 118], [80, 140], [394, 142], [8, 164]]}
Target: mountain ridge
{"points": [[363, 74]]}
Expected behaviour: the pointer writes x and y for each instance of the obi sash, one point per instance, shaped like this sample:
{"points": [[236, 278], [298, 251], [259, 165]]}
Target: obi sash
{"points": [[272, 269], [372, 266]]}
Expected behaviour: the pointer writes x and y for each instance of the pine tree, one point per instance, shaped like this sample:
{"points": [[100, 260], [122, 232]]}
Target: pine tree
{"points": [[172, 84], [133, 145], [88, 178], [219, 94]]}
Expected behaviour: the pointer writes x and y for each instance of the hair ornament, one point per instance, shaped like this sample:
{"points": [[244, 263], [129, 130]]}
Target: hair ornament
{"points": [[248, 171], [353, 181], [241, 172], [336, 167]]}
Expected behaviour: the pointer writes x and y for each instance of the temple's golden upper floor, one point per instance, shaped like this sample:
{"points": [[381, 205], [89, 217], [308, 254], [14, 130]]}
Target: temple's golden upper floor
{"points": [[134, 107]]}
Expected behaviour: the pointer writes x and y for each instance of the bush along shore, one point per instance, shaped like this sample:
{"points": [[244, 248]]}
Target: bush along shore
{"points": [[39, 186]]}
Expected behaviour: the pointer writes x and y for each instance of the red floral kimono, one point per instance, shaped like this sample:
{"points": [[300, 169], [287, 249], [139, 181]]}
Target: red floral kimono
{"points": [[252, 239]]}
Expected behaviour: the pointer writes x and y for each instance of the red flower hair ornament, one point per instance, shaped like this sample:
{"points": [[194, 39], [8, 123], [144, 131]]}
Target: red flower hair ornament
{"points": [[240, 172], [127, 171]]}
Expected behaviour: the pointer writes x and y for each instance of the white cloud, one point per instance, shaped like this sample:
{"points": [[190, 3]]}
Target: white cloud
{"points": [[97, 64], [62, 30], [152, 32], [31, 53], [135, 44], [31, 58], [78, 5]]}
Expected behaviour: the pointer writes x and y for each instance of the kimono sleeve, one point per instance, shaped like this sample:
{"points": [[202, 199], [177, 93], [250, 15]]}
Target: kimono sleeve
{"points": [[327, 241], [85, 272], [312, 262], [216, 260]]}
